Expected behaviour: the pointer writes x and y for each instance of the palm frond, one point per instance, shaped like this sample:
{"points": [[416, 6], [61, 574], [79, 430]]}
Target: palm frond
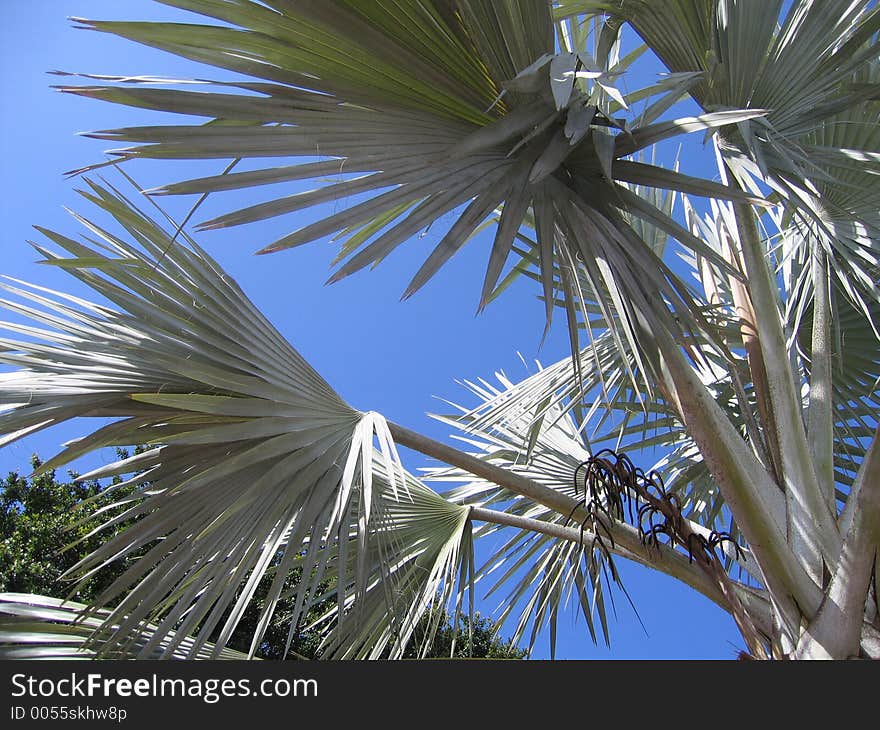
{"points": [[814, 67], [251, 453], [797, 60], [542, 573], [40, 627], [421, 110]]}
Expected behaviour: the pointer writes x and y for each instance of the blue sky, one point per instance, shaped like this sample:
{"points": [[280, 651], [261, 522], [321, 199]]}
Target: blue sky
{"points": [[379, 353]]}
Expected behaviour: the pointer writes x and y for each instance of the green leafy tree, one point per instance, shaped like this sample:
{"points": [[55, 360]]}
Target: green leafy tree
{"points": [[39, 519], [739, 334], [475, 638]]}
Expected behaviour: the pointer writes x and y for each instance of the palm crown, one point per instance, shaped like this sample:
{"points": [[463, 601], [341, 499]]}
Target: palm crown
{"points": [[507, 113]]}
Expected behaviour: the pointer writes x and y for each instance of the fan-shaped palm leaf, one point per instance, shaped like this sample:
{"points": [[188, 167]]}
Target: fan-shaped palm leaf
{"points": [[252, 453], [439, 105], [420, 554], [550, 560], [798, 62], [813, 66]]}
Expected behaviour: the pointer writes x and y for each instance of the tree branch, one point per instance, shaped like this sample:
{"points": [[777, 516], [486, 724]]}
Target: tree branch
{"points": [[835, 632], [820, 426], [660, 557], [627, 537], [811, 524], [748, 489]]}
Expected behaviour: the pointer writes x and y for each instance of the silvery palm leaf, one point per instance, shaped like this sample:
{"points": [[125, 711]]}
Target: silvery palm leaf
{"points": [[802, 61], [420, 556], [253, 462], [542, 573], [813, 66], [421, 109], [40, 627]]}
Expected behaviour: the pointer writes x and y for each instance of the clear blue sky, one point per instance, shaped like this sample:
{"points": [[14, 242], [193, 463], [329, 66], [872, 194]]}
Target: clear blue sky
{"points": [[379, 353]]}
